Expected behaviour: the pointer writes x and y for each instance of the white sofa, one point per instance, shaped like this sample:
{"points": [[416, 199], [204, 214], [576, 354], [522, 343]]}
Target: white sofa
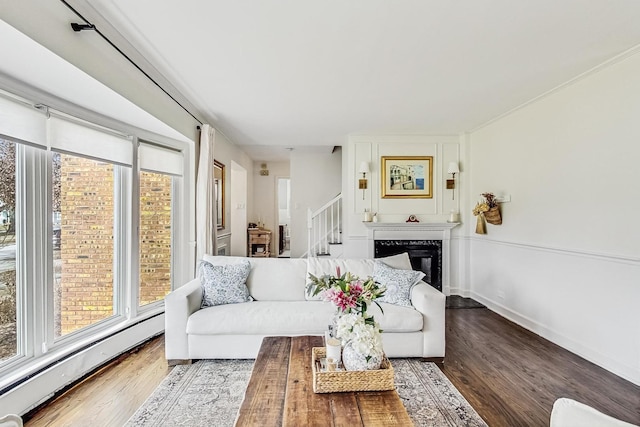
{"points": [[570, 413], [282, 308]]}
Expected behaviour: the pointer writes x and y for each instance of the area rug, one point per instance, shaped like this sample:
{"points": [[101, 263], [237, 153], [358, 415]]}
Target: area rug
{"points": [[210, 392]]}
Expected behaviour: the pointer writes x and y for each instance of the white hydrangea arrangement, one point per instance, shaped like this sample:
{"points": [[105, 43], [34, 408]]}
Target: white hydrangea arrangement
{"points": [[363, 334]]}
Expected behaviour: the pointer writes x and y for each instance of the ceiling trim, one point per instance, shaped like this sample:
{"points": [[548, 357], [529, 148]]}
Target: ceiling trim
{"points": [[594, 70]]}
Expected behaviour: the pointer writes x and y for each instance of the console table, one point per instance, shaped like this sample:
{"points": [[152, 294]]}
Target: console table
{"points": [[259, 241]]}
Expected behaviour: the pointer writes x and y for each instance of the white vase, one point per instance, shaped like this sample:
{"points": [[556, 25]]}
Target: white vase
{"points": [[355, 361]]}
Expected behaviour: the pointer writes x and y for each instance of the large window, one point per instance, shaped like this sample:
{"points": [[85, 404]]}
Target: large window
{"points": [[8, 290], [79, 253]]}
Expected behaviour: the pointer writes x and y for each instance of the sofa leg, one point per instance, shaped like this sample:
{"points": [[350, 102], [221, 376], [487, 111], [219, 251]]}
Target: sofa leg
{"points": [[174, 362], [436, 360]]}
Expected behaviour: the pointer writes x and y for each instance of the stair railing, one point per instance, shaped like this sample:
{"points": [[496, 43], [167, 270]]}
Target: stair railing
{"points": [[324, 227]]}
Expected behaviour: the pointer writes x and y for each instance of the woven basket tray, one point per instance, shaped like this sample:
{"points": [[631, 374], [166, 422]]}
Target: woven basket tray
{"points": [[339, 381]]}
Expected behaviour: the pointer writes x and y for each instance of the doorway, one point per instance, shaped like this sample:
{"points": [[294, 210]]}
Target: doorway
{"points": [[283, 207]]}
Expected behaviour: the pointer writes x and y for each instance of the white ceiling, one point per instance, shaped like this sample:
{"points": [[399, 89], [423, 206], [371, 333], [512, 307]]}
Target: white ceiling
{"points": [[291, 73]]}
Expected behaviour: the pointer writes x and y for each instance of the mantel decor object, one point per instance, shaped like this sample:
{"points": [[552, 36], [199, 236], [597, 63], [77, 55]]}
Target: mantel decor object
{"points": [[454, 216]]}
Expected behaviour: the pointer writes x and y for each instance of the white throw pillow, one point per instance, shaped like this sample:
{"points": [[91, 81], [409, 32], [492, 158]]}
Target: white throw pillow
{"points": [[400, 261], [224, 284], [398, 283]]}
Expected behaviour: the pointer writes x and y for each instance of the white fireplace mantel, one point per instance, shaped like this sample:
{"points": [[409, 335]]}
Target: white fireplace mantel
{"points": [[414, 231], [408, 231]]}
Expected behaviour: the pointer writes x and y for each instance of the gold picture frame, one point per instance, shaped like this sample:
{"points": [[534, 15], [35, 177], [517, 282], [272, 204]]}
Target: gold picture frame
{"points": [[218, 182], [407, 177]]}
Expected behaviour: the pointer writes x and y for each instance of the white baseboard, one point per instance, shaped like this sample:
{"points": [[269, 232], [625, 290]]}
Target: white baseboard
{"points": [[460, 292]]}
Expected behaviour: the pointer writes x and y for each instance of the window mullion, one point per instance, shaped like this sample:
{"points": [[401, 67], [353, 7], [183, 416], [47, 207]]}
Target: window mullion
{"points": [[32, 254], [123, 260], [134, 233]]}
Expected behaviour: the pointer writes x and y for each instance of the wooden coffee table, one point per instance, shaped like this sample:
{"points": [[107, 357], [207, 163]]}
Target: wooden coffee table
{"points": [[280, 393]]}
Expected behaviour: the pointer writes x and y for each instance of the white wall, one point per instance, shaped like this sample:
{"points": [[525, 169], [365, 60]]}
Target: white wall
{"points": [[226, 152], [370, 148], [565, 263], [316, 178]]}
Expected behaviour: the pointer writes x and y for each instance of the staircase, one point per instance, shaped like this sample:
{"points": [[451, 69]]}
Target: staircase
{"points": [[324, 229]]}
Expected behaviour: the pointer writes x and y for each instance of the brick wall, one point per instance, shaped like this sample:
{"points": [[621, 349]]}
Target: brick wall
{"points": [[155, 237], [85, 271], [86, 246]]}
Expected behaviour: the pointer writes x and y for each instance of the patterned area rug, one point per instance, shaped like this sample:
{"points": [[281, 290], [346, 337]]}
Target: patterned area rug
{"points": [[210, 392]]}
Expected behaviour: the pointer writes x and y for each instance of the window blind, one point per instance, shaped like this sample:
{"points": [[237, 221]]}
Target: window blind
{"points": [[22, 121], [71, 135], [154, 158]]}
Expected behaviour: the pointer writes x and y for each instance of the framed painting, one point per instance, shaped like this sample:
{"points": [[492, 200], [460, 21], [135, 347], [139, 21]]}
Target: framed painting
{"points": [[218, 182], [407, 177]]}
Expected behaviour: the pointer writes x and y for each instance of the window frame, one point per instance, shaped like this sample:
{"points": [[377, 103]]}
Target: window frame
{"points": [[36, 347]]}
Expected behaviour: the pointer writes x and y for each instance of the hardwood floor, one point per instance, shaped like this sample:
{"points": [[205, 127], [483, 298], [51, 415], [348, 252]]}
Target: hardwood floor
{"points": [[509, 375], [512, 376], [111, 395]]}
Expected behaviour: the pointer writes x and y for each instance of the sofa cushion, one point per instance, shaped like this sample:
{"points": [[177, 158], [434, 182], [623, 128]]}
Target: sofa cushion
{"points": [[224, 284], [271, 279], [277, 279], [289, 318], [398, 283], [362, 268]]}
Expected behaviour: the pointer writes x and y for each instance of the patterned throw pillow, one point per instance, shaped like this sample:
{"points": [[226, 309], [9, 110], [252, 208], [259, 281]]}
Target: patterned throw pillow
{"points": [[224, 284], [397, 282]]}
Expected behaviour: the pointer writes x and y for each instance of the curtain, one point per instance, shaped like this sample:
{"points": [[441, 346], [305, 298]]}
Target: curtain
{"points": [[206, 230]]}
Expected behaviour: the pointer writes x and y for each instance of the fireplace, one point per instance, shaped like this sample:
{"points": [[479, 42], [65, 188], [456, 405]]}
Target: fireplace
{"points": [[425, 256], [428, 246]]}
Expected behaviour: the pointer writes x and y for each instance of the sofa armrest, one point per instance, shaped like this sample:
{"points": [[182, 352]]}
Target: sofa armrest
{"points": [[178, 306], [431, 303], [569, 413]]}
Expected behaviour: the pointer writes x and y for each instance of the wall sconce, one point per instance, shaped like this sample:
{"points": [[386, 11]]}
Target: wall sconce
{"points": [[263, 170], [364, 170], [451, 183]]}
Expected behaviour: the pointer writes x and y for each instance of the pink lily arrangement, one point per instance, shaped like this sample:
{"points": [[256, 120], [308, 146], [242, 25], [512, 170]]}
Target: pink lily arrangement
{"points": [[347, 292]]}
